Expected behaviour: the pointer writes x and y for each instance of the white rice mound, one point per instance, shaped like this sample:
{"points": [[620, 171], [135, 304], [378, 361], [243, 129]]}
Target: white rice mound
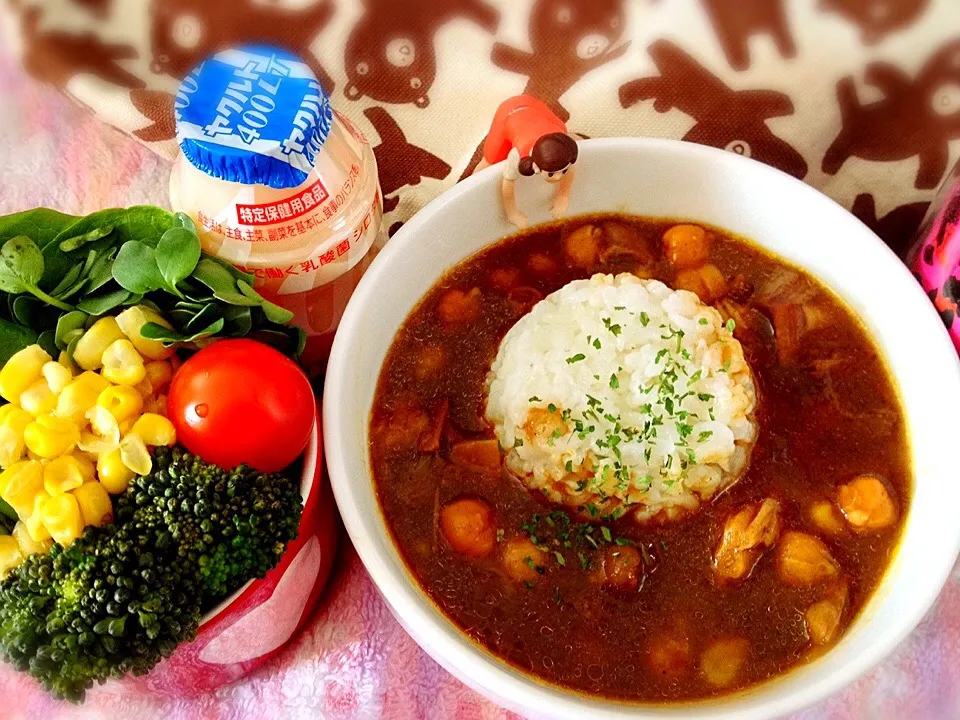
{"points": [[618, 395]]}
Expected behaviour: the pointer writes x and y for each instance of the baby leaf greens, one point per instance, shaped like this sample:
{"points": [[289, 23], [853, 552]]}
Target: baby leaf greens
{"points": [[58, 273]]}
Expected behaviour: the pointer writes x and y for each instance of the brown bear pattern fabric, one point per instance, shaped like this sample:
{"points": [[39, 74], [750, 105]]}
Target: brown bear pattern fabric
{"points": [[859, 98]]}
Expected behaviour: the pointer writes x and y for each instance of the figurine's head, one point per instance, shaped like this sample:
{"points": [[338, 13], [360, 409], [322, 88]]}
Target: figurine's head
{"points": [[552, 156]]}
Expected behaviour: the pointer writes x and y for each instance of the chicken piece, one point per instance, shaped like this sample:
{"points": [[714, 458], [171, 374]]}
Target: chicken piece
{"points": [[745, 537], [804, 560], [430, 436], [401, 430], [522, 560], [866, 504], [468, 526], [480, 455], [791, 322], [823, 617], [721, 661]]}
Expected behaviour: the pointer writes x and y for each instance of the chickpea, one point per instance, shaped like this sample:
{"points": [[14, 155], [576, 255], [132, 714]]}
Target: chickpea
{"points": [[468, 526], [866, 504], [521, 558], [705, 282], [430, 362], [686, 246], [582, 246], [669, 656], [622, 568], [826, 517], [458, 307], [804, 560], [542, 264], [721, 661], [504, 278]]}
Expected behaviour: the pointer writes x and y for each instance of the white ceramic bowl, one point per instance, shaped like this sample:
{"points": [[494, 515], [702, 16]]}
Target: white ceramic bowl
{"points": [[677, 180]]}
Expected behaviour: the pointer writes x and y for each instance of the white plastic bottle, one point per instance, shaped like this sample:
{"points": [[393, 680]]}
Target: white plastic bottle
{"points": [[278, 183]]}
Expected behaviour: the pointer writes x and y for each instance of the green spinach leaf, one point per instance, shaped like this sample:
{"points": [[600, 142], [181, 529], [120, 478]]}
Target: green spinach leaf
{"points": [[98, 305], [135, 268], [13, 339], [177, 254]]}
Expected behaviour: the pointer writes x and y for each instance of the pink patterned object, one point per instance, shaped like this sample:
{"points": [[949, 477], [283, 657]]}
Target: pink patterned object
{"points": [[935, 257]]}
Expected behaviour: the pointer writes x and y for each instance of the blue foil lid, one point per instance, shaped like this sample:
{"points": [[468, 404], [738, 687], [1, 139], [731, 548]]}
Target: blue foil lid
{"points": [[253, 115]]}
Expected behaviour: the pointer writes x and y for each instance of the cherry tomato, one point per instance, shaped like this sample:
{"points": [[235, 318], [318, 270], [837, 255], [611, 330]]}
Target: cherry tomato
{"points": [[240, 401]]}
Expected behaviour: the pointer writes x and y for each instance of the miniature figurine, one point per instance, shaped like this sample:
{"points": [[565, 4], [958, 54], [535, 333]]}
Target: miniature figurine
{"points": [[532, 139]]}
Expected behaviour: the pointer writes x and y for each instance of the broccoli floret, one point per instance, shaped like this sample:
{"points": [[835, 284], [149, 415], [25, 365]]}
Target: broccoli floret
{"points": [[234, 525], [121, 597]]}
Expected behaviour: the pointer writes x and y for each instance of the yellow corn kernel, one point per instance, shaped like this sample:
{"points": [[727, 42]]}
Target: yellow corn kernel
{"points": [[134, 453], [122, 364], [13, 422], [49, 436], [156, 405], [80, 395], [144, 387], [57, 376], [94, 501], [19, 485], [88, 468], [113, 474], [126, 426], [132, 320], [105, 435], [34, 524], [102, 334], [10, 555], [29, 546], [62, 475], [38, 399], [155, 430], [64, 359], [159, 373], [62, 518], [21, 371], [123, 402]]}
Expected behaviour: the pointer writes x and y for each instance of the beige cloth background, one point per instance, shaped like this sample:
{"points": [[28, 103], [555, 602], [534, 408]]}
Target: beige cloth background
{"points": [[860, 98]]}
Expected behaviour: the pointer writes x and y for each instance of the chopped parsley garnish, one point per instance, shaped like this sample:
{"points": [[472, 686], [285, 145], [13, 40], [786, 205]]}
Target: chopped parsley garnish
{"points": [[614, 382], [731, 325], [569, 466], [726, 366], [704, 435], [518, 442], [704, 321], [559, 556], [576, 358], [607, 535], [534, 399], [596, 343], [530, 564], [644, 319], [621, 541], [552, 408], [704, 396], [584, 561]]}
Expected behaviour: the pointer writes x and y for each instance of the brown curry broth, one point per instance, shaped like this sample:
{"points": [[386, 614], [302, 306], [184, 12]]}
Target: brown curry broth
{"points": [[595, 641]]}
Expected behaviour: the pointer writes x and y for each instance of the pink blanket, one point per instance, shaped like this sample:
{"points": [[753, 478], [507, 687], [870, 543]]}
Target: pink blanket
{"points": [[353, 660]]}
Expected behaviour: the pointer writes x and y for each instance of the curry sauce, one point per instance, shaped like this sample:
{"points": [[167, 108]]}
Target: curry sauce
{"points": [[670, 626]]}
